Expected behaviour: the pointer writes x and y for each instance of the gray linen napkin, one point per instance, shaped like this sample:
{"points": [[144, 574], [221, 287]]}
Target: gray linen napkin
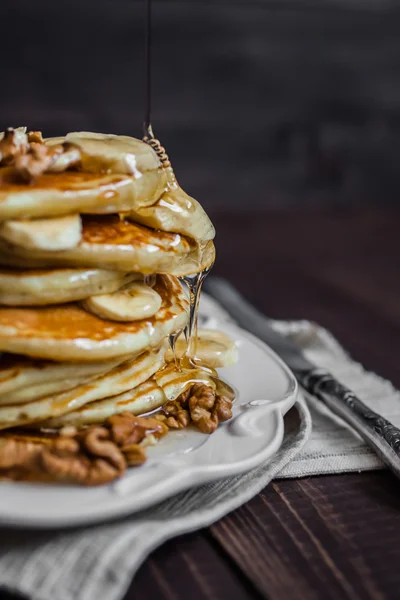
{"points": [[100, 561]]}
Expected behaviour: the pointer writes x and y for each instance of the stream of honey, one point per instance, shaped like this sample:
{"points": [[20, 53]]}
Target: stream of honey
{"points": [[193, 282]]}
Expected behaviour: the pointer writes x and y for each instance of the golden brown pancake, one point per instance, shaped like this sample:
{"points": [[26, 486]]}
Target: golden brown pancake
{"points": [[123, 377], [118, 244], [166, 385], [23, 379], [52, 286], [53, 194], [68, 333]]}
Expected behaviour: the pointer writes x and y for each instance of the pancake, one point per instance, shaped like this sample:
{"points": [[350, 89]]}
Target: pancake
{"points": [[56, 194], [140, 400], [41, 390], [52, 286], [69, 333], [20, 373], [123, 377], [118, 244]]}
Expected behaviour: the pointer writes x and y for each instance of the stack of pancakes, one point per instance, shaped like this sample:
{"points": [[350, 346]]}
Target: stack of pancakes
{"points": [[94, 236]]}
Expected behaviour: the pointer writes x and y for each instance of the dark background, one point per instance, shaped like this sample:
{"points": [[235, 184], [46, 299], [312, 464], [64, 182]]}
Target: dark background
{"points": [[259, 103], [262, 104]]}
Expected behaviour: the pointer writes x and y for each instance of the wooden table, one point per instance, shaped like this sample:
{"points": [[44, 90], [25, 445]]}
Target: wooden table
{"points": [[329, 537]]}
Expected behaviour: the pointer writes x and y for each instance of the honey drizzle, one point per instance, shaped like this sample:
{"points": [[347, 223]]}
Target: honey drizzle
{"points": [[195, 281], [172, 344], [194, 284]]}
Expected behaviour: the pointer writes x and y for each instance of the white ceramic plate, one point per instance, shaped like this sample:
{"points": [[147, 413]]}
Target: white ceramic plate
{"points": [[266, 390]]}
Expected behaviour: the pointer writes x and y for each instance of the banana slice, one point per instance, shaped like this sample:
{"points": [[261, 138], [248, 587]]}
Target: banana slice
{"points": [[61, 233], [107, 153], [176, 212], [134, 302], [214, 348]]}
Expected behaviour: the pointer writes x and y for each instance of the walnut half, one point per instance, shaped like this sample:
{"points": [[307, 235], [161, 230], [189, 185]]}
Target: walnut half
{"points": [[199, 405], [31, 157], [92, 456], [45, 159]]}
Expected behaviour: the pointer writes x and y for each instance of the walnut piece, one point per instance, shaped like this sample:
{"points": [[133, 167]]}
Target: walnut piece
{"points": [[126, 429], [14, 143], [14, 453], [31, 157], [92, 456], [36, 161], [199, 405], [35, 137], [134, 455]]}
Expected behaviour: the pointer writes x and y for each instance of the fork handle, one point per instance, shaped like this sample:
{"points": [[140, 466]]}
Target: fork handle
{"points": [[378, 432]]}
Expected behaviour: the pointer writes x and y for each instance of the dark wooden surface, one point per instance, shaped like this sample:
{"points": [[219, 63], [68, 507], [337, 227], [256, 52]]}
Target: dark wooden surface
{"points": [[327, 537]]}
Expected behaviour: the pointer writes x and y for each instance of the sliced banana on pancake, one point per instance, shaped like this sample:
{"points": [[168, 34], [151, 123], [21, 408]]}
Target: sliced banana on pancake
{"points": [[123, 377], [213, 348], [119, 244], [54, 286], [176, 212], [69, 333], [109, 153], [134, 302], [60, 233]]}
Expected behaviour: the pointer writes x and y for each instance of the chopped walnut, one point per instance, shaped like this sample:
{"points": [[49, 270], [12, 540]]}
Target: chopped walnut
{"points": [[35, 137], [200, 405], [223, 408], [91, 456], [134, 455], [46, 159], [178, 417], [126, 429], [14, 453], [36, 161], [14, 143], [98, 443]]}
